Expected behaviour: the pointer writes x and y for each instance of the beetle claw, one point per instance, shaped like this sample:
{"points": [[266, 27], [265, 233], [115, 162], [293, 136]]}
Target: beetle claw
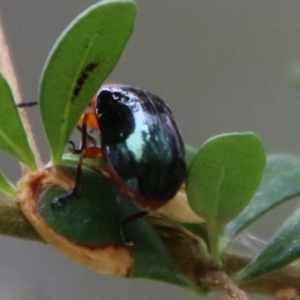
{"points": [[125, 239], [62, 200], [73, 148], [127, 220]]}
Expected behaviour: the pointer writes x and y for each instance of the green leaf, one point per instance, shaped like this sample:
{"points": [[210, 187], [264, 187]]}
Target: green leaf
{"points": [[78, 64], [224, 175], [281, 182], [13, 139], [7, 188], [222, 179], [283, 249], [93, 219]]}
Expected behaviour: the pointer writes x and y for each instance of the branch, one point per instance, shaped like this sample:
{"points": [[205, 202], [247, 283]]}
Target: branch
{"points": [[14, 224]]}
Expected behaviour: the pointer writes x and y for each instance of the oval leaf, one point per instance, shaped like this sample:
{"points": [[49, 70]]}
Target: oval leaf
{"points": [[79, 62], [224, 176], [283, 249], [281, 182], [13, 139]]}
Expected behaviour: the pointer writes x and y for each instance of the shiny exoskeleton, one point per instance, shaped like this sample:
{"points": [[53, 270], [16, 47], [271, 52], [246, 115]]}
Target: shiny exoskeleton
{"points": [[141, 143]]}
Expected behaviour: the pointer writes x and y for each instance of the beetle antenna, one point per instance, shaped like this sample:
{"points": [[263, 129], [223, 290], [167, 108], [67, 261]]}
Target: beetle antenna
{"points": [[27, 104]]}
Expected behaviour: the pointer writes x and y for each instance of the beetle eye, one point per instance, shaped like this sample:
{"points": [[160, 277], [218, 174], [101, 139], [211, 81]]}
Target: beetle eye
{"points": [[125, 99]]}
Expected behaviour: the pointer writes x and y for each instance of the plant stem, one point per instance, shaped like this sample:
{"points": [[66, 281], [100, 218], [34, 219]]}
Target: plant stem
{"points": [[7, 70]]}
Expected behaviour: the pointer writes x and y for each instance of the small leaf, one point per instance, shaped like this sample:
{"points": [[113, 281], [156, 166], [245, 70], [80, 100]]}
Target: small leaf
{"points": [[7, 188], [283, 249], [281, 182], [79, 62], [13, 139], [224, 175]]}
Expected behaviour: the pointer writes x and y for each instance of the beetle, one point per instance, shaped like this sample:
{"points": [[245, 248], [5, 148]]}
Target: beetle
{"points": [[141, 144]]}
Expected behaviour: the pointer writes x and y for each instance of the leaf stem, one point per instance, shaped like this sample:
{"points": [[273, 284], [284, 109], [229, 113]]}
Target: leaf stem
{"points": [[7, 70], [214, 239]]}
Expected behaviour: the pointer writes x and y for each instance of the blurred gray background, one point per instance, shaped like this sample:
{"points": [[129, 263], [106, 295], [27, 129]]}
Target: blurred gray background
{"points": [[220, 65]]}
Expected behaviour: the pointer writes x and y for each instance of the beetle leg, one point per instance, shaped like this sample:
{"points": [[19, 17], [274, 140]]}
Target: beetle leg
{"points": [[128, 219], [84, 152], [66, 198], [90, 138]]}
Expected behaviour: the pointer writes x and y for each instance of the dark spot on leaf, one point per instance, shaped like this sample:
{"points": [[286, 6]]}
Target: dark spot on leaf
{"points": [[82, 79]]}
